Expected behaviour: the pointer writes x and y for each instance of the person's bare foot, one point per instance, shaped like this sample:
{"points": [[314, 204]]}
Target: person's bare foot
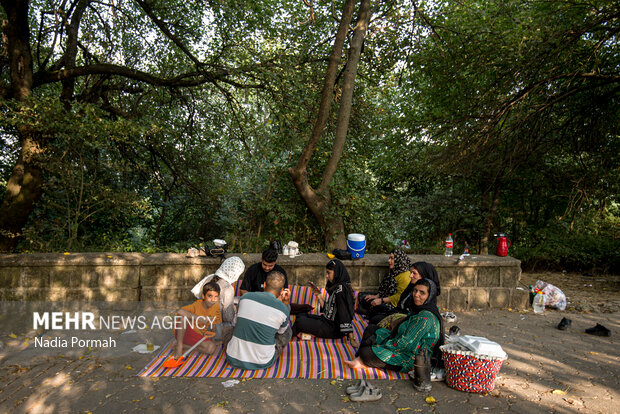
{"points": [[355, 364]]}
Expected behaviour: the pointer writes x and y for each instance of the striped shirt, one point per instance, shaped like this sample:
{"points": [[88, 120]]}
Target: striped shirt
{"points": [[260, 316]]}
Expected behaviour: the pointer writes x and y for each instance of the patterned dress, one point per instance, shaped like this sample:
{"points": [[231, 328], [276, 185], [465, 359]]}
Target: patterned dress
{"points": [[419, 332]]}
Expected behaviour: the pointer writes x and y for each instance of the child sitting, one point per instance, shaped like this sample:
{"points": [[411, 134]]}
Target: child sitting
{"points": [[199, 320]]}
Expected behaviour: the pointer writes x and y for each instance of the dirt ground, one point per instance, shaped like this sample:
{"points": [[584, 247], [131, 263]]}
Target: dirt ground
{"points": [[584, 292]]}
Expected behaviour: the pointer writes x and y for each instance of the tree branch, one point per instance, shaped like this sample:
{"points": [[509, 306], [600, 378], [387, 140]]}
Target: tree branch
{"points": [[162, 26], [346, 101], [183, 80], [327, 93]]}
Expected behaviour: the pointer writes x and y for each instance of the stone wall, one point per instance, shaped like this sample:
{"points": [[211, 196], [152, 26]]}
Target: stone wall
{"points": [[476, 282]]}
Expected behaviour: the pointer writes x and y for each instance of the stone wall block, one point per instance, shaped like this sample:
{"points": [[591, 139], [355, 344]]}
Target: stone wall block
{"points": [[371, 276], [36, 277], [510, 276], [478, 298], [459, 299], [10, 277], [195, 273], [306, 274], [10, 294], [488, 277], [354, 274], [442, 300], [111, 277], [467, 277], [499, 298], [164, 294], [163, 275], [448, 276], [100, 276], [519, 299], [65, 276]]}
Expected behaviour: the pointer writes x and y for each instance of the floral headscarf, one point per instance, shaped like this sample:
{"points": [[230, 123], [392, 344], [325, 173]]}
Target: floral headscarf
{"points": [[387, 287]]}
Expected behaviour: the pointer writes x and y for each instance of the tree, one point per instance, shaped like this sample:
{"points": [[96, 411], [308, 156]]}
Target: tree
{"points": [[500, 89], [319, 200], [93, 52]]}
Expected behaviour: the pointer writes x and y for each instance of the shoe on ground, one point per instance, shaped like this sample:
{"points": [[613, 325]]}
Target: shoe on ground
{"points": [[438, 374], [564, 324], [449, 317], [366, 394], [598, 330], [357, 387]]}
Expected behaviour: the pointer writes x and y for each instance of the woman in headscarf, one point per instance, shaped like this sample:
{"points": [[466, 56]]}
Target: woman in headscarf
{"points": [[410, 344], [338, 310], [419, 270], [227, 274], [390, 288]]}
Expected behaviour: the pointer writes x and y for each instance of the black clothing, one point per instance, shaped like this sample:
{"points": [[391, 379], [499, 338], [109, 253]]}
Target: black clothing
{"points": [[255, 276], [426, 271], [315, 325], [336, 320]]}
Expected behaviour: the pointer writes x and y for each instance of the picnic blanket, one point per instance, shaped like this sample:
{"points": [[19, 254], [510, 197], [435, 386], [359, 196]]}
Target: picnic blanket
{"points": [[315, 358]]}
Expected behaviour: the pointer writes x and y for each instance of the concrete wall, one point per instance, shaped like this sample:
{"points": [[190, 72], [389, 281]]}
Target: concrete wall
{"points": [[476, 282]]}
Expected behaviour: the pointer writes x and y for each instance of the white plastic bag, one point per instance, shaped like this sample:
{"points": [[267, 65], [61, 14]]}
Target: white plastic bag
{"points": [[554, 297]]}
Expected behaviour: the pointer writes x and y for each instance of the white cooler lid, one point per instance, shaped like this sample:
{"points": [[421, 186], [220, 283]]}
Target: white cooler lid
{"points": [[356, 237], [481, 346]]}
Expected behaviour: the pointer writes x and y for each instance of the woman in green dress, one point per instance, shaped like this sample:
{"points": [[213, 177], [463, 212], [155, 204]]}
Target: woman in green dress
{"points": [[410, 344]]}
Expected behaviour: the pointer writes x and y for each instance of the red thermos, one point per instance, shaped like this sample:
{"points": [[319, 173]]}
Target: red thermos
{"points": [[503, 243]]}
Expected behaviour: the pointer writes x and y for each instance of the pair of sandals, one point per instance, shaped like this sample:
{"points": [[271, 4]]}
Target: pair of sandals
{"points": [[363, 392]]}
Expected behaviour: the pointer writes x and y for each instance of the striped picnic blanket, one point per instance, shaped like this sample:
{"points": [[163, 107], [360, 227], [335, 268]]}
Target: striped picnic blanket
{"points": [[315, 358]]}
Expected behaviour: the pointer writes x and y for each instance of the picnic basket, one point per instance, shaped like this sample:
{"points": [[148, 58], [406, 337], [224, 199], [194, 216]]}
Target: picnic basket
{"points": [[468, 371]]}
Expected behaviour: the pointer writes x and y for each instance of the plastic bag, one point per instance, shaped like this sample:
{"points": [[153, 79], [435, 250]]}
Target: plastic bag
{"points": [[554, 297]]}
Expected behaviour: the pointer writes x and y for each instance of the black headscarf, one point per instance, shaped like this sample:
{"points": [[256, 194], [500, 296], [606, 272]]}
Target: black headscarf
{"points": [[387, 287], [429, 305], [341, 279], [426, 271]]}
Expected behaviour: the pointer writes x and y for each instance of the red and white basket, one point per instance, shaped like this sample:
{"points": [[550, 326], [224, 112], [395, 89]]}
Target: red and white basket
{"points": [[468, 371]]}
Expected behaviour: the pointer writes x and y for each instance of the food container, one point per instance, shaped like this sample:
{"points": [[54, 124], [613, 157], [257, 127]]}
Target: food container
{"points": [[469, 371]]}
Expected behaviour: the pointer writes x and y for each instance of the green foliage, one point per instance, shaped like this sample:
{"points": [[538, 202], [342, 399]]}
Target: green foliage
{"points": [[455, 102], [593, 245]]}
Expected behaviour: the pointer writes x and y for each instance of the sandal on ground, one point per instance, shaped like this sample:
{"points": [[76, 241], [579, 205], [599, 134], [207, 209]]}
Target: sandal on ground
{"points": [[366, 394], [357, 387], [449, 317], [361, 384], [438, 374]]}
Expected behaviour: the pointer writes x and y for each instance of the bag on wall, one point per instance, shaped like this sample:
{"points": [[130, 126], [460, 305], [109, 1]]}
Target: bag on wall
{"points": [[342, 254]]}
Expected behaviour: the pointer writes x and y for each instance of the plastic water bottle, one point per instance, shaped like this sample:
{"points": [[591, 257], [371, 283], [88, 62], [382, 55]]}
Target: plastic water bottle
{"points": [[449, 245], [539, 302]]}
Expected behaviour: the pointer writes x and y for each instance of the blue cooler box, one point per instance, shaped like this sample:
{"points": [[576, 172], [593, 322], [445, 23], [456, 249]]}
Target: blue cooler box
{"points": [[356, 245]]}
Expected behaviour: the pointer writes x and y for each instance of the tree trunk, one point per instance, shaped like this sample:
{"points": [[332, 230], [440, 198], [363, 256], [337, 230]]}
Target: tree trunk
{"points": [[319, 200], [25, 183]]}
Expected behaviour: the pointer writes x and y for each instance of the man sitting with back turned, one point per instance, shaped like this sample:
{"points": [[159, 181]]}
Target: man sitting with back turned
{"points": [[262, 319], [254, 278]]}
